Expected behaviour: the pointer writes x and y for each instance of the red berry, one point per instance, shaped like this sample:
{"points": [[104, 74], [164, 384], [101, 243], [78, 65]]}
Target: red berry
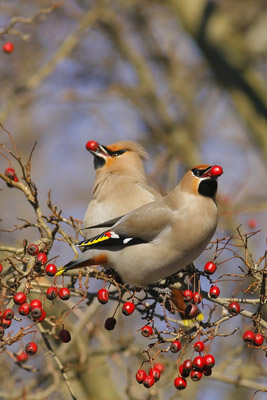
{"points": [[64, 336], [19, 298], [149, 381], [32, 249], [197, 298], [234, 308], [199, 346], [64, 293], [22, 357], [36, 303], [258, 340], [195, 375], [1, 268], [41, 258], [209, 360], [5, 323], [8, 314], [214, 292], [210, 268], [252, 223], [51, 269], [36, 313], [180, 383], [216, 171], [92, 145], [103, 296], [10, 173], [2, 332], [140, 375], [184, 373], [175, 346], [207, 371], [110, 324], [249, 337], [128, 308], [31, 348], [24, 309], [192, 311], [188, 295], [155, 372], [42, 316], [187, 365], [198, 363], [147, 331], [51, 293], [159, 366]]}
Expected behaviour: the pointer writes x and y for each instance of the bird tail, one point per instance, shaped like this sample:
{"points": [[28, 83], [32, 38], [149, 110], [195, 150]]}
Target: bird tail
{"points": [[71, 265], [183, 309]]}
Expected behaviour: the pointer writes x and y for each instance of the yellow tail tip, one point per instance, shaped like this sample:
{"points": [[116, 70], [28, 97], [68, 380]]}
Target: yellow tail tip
{"points": [[189, 322], [60, 271]]}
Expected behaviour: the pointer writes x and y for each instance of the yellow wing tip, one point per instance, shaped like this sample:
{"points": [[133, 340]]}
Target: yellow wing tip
{"points": [[60, 271]]}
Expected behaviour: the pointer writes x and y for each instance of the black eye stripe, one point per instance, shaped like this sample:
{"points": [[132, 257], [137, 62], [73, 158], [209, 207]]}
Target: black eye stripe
{"points": [[199, 172], [117, 152]]}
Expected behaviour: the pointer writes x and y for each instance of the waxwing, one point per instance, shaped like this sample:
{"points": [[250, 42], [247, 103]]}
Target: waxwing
{"points": [[160, 238]]}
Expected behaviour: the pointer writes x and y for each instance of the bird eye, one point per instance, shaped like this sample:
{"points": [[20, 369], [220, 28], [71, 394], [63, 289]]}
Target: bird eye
{"points": [[197, 172], [118, 153]]}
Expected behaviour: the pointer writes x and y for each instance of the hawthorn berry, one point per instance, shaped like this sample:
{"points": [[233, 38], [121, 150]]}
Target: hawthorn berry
{"points": [[234, 308], [64, 293], [140, 376], [188, 295], [22, 357], [184, 373], [187, 366], [36, 303], [41, 258], [103, 296], [214, 292], [110, 323], [258, 340], [148, 381], [195, 375], [51, 293], [19, 298], [210, 268], [192, 311], [159, 366], [1, 268], [24, 309], [8, 314], [64, 336], [128, 308], [252, 223], [175, 346], [199, 346], [197, 298], [36, 313], [42, 316], [31, 348], [155, 372], [207, 371], [5, 323], [147, 331], [92, 145], [249, 337], [10, 173], [51, 269], [198, 363], [209, 360], [180, 383], [216, 171], [32, 249]]}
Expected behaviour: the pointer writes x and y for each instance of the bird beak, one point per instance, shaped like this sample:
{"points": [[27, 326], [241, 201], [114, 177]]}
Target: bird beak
{"points": [[213, 172], [100, 151]]}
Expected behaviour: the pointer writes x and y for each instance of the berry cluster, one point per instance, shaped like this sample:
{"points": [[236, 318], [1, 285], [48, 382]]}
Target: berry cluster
{"points": [[152, 377], [252, 338]]}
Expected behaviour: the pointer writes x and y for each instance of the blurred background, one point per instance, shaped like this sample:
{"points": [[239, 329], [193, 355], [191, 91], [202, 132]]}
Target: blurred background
{"points": [[187, 79]]}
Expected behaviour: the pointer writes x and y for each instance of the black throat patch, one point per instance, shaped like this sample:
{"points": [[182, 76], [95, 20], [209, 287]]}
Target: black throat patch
{"points": [[208, 187]]}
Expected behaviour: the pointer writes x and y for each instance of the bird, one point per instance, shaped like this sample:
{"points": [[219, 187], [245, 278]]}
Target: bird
{"points": [[160, 238], [120, 183], [121, 186]]}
